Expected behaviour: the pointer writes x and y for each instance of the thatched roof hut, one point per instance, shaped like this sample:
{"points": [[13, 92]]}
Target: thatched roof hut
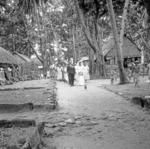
{"points": [[129, 49], [25, 64], [21, 59], [6, 57]]}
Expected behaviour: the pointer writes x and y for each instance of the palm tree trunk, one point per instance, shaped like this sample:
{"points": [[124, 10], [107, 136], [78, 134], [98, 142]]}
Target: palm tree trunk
{"points": [[123, 23], [123, 78]]}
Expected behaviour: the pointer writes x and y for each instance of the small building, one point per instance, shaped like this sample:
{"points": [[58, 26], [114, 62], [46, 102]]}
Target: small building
{"points": [[24, 64], [129, 52], [37, 65], [8, 64], [28, 68]]}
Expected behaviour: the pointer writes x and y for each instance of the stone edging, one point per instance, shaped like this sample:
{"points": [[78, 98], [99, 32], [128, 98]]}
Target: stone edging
{"points": [[143, 101]]}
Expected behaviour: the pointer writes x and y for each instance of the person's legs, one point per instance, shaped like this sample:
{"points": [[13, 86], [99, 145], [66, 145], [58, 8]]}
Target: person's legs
{"points": [[69, 79], [85, 85], [72, 78], [136, 80]]}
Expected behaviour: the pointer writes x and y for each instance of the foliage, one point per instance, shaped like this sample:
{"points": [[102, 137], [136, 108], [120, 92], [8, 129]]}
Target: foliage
{"points": [[25, 23], [13, 34]]}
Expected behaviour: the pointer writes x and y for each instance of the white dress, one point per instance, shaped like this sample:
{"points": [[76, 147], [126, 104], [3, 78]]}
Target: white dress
{"points": [[59, 73], [48, 74], [76, 74], [81, 79], [65, 74], [86, 72]]}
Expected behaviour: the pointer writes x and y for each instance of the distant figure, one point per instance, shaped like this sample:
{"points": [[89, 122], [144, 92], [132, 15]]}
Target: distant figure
{"points": [[129, 73], [2, 76], [112, 77], [48, 74], [44, 73], [41, 76], [53, 71], [80, 74], [59, 73], [86, 71], [71, 74], [148, 66], [136, 73], [65, 74]]}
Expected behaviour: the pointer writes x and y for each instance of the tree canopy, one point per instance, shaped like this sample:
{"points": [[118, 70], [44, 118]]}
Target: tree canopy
{"points": [[26, 24]]}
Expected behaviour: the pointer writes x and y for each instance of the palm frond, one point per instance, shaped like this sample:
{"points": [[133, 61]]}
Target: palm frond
{"points": [[28, 6]]}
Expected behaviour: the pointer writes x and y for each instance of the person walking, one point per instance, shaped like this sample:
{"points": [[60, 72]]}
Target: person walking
{"points": [[86, 74], [136, 74], [59, 73], [81, 79], [86, 71], [148, 66], [71, 74], [65, 73]]}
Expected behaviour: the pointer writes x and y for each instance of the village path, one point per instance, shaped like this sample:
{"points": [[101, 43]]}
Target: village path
{"points": [[96, 118]]}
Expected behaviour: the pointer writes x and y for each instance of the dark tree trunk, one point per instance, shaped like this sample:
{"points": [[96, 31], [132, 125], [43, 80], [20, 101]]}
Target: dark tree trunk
{"points": [[123, 78], [91, 63], [94, 42], [44, 68]]}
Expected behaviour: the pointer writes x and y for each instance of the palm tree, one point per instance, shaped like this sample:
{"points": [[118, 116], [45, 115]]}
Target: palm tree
{"points": [[123, 77]]}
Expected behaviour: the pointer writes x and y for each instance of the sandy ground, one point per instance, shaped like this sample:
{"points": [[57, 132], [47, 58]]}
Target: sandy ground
{"points": [[129, 90], [88, 119], [96, 118]]}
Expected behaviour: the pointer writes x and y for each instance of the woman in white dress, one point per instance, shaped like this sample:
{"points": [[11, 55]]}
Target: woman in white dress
{"points": [[80, 71], [59, 73], [76, 74], [86, 72], [65, 74]]}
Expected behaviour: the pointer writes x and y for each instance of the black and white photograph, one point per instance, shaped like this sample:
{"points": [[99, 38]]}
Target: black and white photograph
{"points": [[74, 74]]}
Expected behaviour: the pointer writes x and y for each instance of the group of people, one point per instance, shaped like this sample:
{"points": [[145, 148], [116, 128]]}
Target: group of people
{"points": [[8, 75], [71, 73], [134, 70], [82, 73]]}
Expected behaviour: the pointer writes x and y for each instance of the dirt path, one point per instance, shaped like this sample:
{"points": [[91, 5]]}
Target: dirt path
{"points": [[96, 118]]}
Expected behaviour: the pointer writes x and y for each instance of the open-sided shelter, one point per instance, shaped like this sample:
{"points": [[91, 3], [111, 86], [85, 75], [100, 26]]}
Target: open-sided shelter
{"points": [[129, 51], [24, 63], [8, 65]]}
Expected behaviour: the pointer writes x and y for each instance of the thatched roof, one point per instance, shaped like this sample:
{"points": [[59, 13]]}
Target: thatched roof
{"points": [[129, 49], [21, 59], [36, 61], [6, 57]]}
